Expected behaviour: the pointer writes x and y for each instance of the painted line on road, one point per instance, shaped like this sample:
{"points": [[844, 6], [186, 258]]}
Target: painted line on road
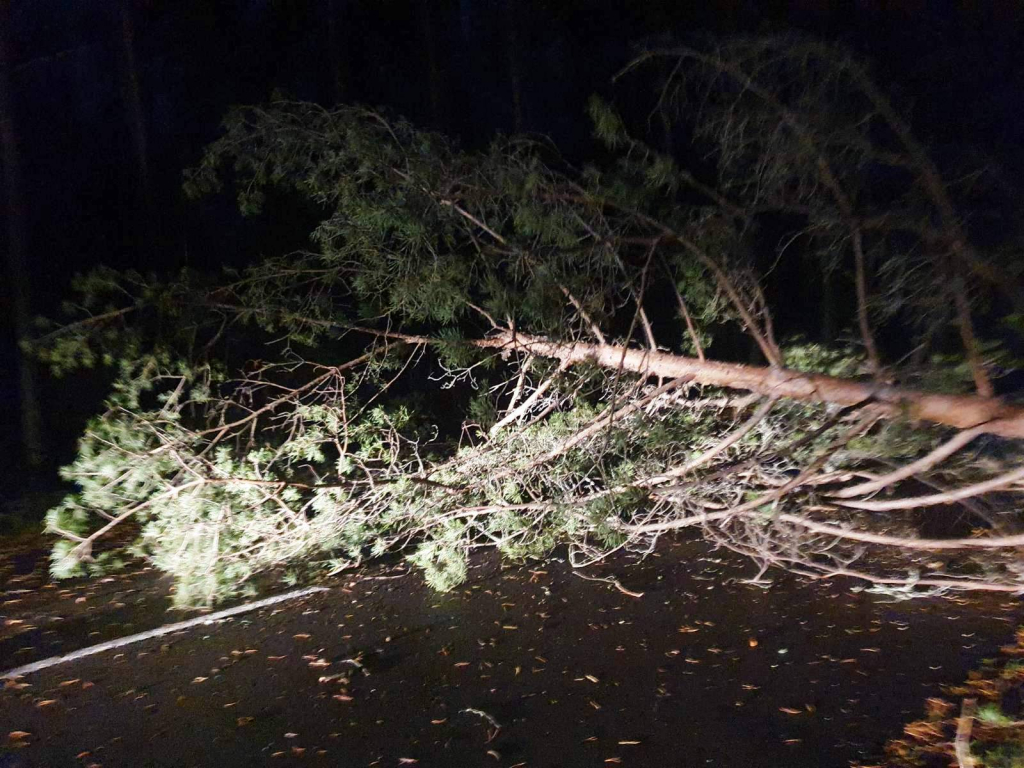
{"points": [[211, 618]]}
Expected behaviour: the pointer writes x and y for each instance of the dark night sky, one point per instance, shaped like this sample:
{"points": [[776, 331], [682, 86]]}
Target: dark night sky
{"points": [[960, 64]]}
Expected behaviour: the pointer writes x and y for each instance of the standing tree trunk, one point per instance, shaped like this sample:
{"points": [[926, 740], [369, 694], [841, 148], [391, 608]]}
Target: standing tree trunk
{"points": [[337, 47], [135, 114], [515, 68], [828, 312], [17, 249], [433, 66]]}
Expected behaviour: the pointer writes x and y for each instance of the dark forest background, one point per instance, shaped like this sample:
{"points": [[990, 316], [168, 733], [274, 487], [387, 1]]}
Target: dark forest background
{"points": [[109, 100]]}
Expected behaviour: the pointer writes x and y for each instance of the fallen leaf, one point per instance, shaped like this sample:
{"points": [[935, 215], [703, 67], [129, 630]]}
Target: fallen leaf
{"points": [[199, 680], [276, 658], [628, 743], [18, 735], [290, 735], [592, 679], [244, 720], [341, 697], [494, 754], [752, 642], [46, 702], [302, 636], [407, 760], [790, 710], [66, 683]]}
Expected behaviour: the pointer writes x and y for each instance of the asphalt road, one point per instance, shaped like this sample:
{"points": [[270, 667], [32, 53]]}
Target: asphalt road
{"points": [[523, 666]]}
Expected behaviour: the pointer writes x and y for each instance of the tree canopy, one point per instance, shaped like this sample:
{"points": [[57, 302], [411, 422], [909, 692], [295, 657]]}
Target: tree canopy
{"points": [[501, 349]]}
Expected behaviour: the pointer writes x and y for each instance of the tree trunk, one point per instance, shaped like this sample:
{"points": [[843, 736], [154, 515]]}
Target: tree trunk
{"points": [[961, 411], [433, 66], [17, 249], [515, 68], [337, 48], [135, 114], [828, 312]]}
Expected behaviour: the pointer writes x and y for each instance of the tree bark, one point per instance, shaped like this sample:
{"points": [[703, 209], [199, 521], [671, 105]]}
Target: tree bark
{"points": [[337, 34], [828, 312], [133, 103], [17, 249], [514, 63], [992, 415], [433, 66]]}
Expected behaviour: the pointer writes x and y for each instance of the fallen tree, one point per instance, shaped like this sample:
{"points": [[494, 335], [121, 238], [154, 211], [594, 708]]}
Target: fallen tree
{"points": [[568, 320], [990, 415]]}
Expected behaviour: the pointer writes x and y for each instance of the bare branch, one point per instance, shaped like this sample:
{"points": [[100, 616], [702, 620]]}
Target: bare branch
{"points": [[594, 328], [524, 407], [923, 464], [718, 448], [995, 484], [690, 329]]}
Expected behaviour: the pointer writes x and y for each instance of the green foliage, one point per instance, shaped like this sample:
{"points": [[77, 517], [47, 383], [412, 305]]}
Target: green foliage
{"points": [[608, 126], [1004, 756], [895, 439], [452, 352], [481, 411], [992, 714], [819, 358], [952, 373], [996, 738], [444, 567]]}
